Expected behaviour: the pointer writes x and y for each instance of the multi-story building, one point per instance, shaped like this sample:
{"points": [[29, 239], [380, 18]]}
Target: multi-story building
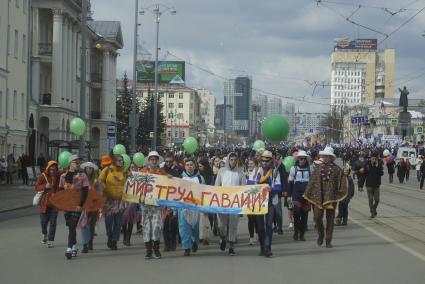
{"points": [[308, 123], [263, 103], [207, 109], [274, 106], [14, 116], [181, 110], [55, 72], [238, 94], [360, 74], [289, 114]]}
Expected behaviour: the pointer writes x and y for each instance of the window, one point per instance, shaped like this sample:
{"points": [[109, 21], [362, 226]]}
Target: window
{"points": [[15, 53], [169, 133], [24, 6], [171, 96], [15, 104], [182, 134], [176, 133], [17, 3], [1, 103], [180, 105], [180, 95], [170, 105], [24, 48], [170, 115], [22, 106]]}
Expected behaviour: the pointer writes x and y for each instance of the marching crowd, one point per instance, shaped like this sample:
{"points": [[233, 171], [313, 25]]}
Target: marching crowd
{"points": [[315, 183]]}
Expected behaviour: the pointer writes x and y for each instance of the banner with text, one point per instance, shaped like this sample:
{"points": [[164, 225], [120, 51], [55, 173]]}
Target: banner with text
{"points": [[160, 190]]}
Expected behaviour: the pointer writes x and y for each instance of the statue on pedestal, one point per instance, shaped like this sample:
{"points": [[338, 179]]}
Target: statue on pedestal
{"points": [[404, 102]]}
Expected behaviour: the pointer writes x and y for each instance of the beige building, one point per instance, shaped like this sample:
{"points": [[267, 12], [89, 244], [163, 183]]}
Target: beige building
{"points": [[55, 71], [13, 77], [207, 109], [181, 111], [361, 74]]}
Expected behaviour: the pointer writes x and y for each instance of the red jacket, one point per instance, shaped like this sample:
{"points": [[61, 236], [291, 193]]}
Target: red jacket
{"points": [[40, 185]]}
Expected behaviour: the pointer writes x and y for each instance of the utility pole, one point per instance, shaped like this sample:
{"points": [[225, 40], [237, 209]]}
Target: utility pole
{"points": [[155, 96], [133, 94], [83, 74]]}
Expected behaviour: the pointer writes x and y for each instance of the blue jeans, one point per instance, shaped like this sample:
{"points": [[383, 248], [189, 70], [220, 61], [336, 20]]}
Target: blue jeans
{"points": [[87, 232], [49, 218], [113, 223], [264, 226]]}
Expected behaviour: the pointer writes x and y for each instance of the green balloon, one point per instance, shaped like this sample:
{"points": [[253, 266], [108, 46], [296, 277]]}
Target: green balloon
{"points": [[190, 145], [77, 126], [258, 144], [119, 149], [139, 159], [288, 162], [127, 161], [275, 128], [63, 159]]}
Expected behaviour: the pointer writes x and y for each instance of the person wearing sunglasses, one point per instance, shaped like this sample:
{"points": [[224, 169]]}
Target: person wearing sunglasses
{"points": [[113, 178], [152, 215], [268, 174], [299, 177]]}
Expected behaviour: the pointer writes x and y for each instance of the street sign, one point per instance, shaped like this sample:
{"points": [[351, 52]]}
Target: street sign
{"points": [[111, 131], [151, 134], [359, 119]]}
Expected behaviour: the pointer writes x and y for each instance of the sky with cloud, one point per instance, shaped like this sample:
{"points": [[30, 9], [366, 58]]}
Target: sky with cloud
{"points": [[284, 45]]}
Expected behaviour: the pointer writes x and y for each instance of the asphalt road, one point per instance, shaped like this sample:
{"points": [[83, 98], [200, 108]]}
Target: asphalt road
{"points": [[388, 249]]}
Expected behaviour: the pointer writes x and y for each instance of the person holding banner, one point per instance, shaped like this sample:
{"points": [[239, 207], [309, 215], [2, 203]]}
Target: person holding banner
{"points": [[270, 175], [113, 178], [189, 219], [152, 215], [229, 175], [74, 178], [251, 176]]}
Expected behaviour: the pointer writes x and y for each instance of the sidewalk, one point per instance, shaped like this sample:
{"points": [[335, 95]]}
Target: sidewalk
{"points": [[15, 196]]}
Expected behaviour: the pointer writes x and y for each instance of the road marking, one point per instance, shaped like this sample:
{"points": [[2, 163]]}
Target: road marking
{"points": [[390, 240]]}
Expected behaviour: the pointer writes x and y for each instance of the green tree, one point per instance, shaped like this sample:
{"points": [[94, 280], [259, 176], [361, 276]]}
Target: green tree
{"points": [[123, 110], [146, 121]]}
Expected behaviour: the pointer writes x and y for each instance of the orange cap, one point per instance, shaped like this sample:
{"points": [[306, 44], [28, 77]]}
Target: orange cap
{"points": [[105, 161]]}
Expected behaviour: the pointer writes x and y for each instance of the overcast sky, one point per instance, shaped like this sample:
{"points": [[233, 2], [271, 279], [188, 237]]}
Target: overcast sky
{"points": [[284, 45]]}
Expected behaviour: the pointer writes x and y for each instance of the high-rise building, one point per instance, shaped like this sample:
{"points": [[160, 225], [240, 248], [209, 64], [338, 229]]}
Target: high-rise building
{"points": [[274, 106], [223, 120], [359, 73], [289, 113], [207, 109], [238, 94], [262, 102]]}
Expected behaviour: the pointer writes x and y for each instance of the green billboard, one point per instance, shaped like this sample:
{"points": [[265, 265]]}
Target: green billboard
{"points": [[168, 71]]}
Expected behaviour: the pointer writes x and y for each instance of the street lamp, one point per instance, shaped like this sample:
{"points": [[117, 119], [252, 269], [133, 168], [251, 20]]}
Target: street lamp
{"points": [[157, 10]]}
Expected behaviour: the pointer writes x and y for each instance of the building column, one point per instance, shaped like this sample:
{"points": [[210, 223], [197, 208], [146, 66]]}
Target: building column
{"points": [[65, 62], [35, 83], [105, 85], [57, 53], [69, 64], [72, 67], [35, 31]]}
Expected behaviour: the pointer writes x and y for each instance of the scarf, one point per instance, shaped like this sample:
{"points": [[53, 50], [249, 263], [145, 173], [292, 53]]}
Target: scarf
{"points": [[264, 178]]}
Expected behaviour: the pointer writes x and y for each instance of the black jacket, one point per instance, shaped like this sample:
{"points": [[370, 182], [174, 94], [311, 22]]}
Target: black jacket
{"points": [[373, 174]]}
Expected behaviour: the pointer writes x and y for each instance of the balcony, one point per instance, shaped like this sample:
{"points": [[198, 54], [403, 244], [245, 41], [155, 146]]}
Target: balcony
{"points": [[46, 99], [45, 48], [95, 115], [96, 77]]}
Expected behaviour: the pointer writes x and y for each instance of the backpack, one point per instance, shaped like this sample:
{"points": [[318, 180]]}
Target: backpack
{"points": [[302, 171]]}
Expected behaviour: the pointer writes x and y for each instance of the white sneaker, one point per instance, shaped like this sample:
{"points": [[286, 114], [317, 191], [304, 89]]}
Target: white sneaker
{"points": [[251, 241], [291, 226], [44, 239], [50, 244]]}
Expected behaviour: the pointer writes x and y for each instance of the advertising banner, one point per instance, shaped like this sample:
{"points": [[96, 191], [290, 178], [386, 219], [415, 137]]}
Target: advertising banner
{"points": [[357, 44], [168, 71], [160, 190]]}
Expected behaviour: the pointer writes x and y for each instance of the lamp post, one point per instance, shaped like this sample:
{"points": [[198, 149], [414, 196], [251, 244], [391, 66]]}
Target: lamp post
{"points": [[133, 94], [157, 11]]}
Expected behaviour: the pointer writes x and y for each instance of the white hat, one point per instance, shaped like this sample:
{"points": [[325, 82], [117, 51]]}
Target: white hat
{"points": [[90, 165], [153, 154], [386, 153], [328, 151], [267, 154], [73, 158], [302, 154]]}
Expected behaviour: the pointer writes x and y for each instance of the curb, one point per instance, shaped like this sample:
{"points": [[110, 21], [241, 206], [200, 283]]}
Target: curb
{"points": [[17, 208]]}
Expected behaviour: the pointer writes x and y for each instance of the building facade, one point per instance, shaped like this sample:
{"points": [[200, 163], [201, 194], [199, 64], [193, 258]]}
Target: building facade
{"points": [[274, 106], [181, 110], [55, 72], [360, 74], [207, 109], [14, 59], [289, 113]]}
